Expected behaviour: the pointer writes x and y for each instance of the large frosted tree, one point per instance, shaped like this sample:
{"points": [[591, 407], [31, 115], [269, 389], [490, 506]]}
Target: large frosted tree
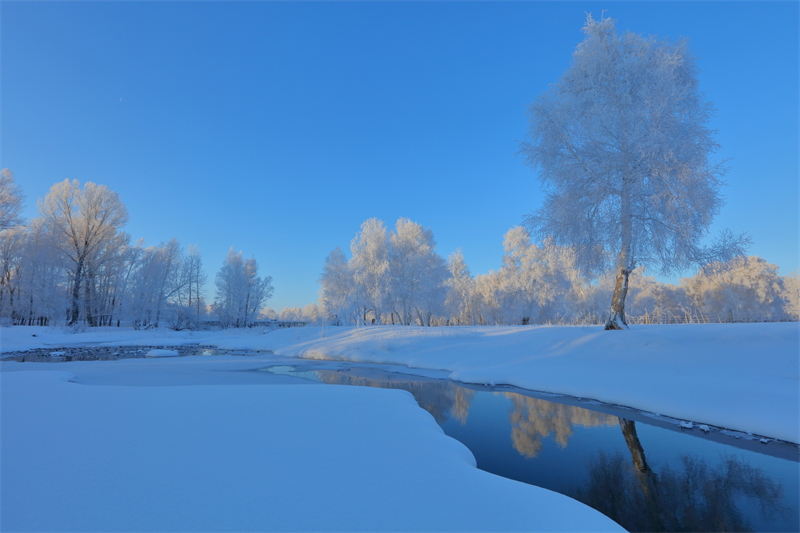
{"points": [[85, 220], [623, 146]]}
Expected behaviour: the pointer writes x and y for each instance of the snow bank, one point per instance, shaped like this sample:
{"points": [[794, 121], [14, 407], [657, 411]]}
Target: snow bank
{"points": [[20, 338], [737, 376], [246, 458]]}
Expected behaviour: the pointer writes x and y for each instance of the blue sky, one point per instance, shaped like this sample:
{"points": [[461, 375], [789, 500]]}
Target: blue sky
{"points": [[277, 128]]}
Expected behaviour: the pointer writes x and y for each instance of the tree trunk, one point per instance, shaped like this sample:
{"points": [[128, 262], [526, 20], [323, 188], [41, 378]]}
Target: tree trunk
{"points": [[87, 296], [616, 320], [637, 452], [76, 293], [647, 478]]}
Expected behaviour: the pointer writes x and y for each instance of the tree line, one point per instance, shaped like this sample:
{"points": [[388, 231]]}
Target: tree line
{"points": [[73, 264], [397, 277]]}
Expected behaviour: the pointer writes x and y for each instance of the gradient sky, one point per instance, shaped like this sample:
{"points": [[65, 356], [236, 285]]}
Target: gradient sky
{"points": [[277, 128]]}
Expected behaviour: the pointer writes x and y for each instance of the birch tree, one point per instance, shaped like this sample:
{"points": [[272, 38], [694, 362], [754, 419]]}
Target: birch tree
{"points": [[196, 280], [11, 198], [460, 288], [84, 220], [539, 282], [241, 292], [417, 274], [623, 147], [40, 282], [337, 286], [370, 265], [12, 244]]}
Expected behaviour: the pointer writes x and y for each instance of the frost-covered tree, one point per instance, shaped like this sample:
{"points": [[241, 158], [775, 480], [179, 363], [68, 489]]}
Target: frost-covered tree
{"points": [[791, 296], [195, 281], [623, 147], [418, 275], [268, 314], [459, 302], [369, 265], [12, 245], [241, 292], [312, 312], [538, 282], [337, 286], [42, 298], [489, 297], [743, 289], [102, 271], [85, 220], [291, 314], [11, 199]]}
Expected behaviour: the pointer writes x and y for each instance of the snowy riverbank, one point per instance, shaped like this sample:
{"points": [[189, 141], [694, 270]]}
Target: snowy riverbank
{"points": [[744, 377], [736, 376], [242, 451]]}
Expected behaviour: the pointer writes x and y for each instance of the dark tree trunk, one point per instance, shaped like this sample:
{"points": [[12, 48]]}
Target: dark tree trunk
{"points": [[88, 301], [637, 452], [616, 320], [647, 478], [76, 293]]}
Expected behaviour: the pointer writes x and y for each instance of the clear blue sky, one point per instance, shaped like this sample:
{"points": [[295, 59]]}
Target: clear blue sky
{"points": [[277, 128]]}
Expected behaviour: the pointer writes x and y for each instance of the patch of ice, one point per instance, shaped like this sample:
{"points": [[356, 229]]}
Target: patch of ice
{"points": [[161, 353], [686, 425], [703, 427]]}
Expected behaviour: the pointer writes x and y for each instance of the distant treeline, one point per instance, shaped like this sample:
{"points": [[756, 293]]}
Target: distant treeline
{"points": [[397, 277], [74, 265]]}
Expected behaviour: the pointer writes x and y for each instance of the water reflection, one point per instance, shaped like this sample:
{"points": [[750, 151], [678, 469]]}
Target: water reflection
{"points": [[696, 496], [533, 419], [684, 484], [442, 399]]}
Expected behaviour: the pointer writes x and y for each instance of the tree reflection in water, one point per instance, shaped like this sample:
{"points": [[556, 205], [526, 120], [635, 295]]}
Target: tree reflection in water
{"points": [[694, 497], [533, 419], [442, 399]]}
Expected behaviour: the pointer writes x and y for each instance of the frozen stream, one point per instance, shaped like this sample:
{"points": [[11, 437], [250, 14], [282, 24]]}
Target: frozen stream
{"points": [[645, 473]]}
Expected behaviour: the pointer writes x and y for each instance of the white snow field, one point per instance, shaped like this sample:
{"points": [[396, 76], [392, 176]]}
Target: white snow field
{"points": [[231, 455]]}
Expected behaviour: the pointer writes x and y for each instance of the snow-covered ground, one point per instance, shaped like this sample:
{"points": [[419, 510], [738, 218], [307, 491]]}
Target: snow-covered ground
{"points": [[119, 446], [744, 377]]}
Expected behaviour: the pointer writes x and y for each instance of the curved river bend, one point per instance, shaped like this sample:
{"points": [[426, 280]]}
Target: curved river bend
{"points": [[646, 474]]}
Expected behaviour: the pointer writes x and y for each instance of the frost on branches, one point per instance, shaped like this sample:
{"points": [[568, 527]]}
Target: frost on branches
{"points": [[623, 148], [241, 292]]}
